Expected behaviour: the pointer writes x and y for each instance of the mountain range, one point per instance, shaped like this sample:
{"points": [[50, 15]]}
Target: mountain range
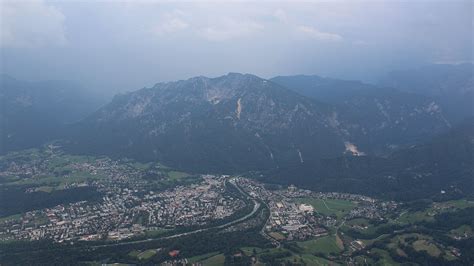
{"points": [[231, 123], [379, 119], [34, 112], [441, 167], [310, 130], [240, 122], [451, 85]]}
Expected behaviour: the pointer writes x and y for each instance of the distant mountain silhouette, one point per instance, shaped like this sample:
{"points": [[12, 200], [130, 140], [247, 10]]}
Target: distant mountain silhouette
{"points": [[33, 112], [451, 85]]}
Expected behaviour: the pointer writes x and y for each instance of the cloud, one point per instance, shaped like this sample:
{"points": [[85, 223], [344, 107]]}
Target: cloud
{"points": [[317, 34], [171, 26], [30, 24], [230, 29], [280, 15], [172, 22]]}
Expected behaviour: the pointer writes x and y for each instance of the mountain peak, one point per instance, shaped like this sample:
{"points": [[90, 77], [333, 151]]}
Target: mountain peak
{"points": [[230, 77], [235, 121], [239, 75]]}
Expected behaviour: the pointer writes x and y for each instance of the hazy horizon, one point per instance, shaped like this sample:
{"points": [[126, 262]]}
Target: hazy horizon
{"points": [[123, 46], [236, 132]]}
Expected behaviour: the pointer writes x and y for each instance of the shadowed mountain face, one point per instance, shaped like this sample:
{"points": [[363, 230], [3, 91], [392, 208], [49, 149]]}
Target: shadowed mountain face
{"points": [[231, 123], [451, 85], [241, 122], [380, 118], [440, 167], [308, 130], [34, 112]]}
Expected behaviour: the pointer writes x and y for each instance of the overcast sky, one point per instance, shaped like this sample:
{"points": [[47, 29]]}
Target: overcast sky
{"points": [[117, 46]]}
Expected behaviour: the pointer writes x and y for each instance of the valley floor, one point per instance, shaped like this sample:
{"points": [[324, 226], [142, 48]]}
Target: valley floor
{"points": [[149, 214]]}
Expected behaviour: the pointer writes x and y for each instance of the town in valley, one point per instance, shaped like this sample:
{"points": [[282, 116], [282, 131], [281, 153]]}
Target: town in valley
{"points": [[138, 203]]}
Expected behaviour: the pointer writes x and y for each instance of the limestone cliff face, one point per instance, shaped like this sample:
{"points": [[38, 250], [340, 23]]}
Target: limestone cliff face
{"points": [[231, 122], [240, 122], [378, 119]]}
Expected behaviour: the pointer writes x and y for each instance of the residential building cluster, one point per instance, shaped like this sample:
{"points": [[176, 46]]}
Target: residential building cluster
{"points": [[292, 219], [123, 213]]}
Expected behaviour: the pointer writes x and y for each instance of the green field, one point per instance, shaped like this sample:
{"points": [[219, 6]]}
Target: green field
{"points": [[11, 217], [326, 245], [330, 206], [414, 217], [462, 231], [134, 253], [309, 259], [202, 257], [141, 166], [57, 181], [277, 236], [427, 215], [216, 260], [306, 255], [146, 254], [459, 204], [427, 246], [248, 251], [176, 175], [142, 255], [339, 242], [59, 169], [419, 242], [46, 189]]}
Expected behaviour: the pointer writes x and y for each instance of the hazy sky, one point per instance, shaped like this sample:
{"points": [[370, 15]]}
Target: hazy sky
{"points": [[116, 46]]}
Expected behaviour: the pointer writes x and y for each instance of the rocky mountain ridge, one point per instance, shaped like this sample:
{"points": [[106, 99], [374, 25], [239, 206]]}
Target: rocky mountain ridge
{"points": [[239, 122]]}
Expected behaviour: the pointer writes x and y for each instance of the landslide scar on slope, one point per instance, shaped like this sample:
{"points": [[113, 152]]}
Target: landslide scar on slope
{"points": [[239, 108]]}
